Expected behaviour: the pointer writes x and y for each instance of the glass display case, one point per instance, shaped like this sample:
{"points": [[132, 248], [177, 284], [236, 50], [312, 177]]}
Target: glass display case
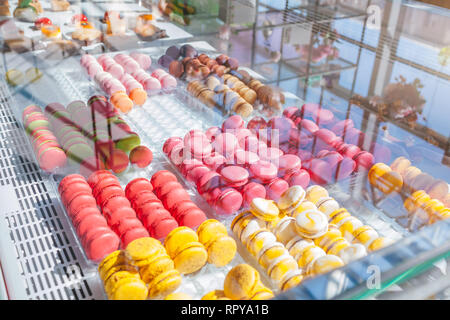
{"points": [[353, 92]]}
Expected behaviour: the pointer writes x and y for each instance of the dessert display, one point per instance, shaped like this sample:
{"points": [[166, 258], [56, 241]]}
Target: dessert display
{"points": [[125, 79], [175, 171]]}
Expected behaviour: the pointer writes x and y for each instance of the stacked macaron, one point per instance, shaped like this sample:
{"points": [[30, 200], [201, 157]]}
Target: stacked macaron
{"points": [[168, 82], [422, 206], [116, 208], [155, 266], [76, 145], [107, 81], [221, 96], [121, 279], [150, 210], [176, 200], [329, 147], [383, 178], [243, 282], [48, 151], [220, 246], [97, 238], [272, 255], [415, 179], [183, 246], [230, 166]]}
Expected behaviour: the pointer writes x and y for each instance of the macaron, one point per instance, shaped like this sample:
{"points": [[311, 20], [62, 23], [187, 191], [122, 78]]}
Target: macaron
{"points": [[291, 199], [234, 176], [311, 224], [228, 201], [265, 210], [164, 284], [241, 282]]}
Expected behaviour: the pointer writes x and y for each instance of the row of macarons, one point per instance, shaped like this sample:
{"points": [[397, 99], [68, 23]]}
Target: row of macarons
{"points": [[305, 234], [148, 269], [125, 79], [100, 203], [423, 206], [55, 131]]}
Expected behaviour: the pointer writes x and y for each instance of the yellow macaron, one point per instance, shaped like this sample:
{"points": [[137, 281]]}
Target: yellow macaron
{"points": [[280, 266], [177, 237], [111, 282], [241, 282], [209, 229], [215, 295], [155, 267], [269, 253], [190, 257], [264, 209], [298, 245], [305, 205], [143, 248], [309, 255], [178, 296], [164, 284], [311, 224], [380, 243], [113, 259], [325, 264], [259, 239], [291, 279], [285, 229], [314, 193], [291, 199], [129, 289], [365, 235]]}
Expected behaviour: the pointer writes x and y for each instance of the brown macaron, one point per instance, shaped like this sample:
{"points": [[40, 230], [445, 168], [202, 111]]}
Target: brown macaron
{"points": [[176, 68]]}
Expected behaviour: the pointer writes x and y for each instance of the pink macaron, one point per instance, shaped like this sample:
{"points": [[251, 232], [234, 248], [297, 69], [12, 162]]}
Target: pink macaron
{"points": [[252, 190], [229, 201], [275, 188], [234, 176], [263, 171], [298, 178]]}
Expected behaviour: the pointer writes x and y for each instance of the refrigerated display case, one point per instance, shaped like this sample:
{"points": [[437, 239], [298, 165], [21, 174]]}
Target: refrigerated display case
{"points": [[381, 65]]}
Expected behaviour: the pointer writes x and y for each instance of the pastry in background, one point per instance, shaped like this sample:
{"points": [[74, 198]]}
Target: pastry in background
{"points": [[51, 31], [26, 11], [145, 28], [86, 34], [115, 25], [37, 5], [60, 5], [4, 11]]}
